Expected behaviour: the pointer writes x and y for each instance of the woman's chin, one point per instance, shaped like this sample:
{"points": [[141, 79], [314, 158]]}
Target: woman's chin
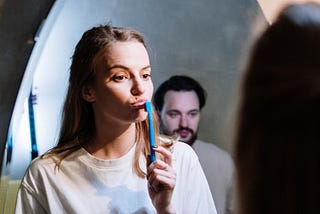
{"points": [[141, 116]]}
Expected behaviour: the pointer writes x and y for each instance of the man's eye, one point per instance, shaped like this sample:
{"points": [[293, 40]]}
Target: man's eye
{"points": [[173, 115], [193, 114]]}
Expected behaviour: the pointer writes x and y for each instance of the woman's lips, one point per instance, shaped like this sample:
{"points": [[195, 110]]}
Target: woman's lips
{"points": [[138, 104]]}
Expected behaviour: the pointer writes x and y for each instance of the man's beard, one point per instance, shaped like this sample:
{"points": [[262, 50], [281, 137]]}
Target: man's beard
{"points": [[193, 135], [175, 132]]}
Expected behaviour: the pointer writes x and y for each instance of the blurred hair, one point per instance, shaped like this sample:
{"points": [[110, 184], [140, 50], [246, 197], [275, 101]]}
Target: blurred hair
{"points": [[178, 83], [277, 143]]}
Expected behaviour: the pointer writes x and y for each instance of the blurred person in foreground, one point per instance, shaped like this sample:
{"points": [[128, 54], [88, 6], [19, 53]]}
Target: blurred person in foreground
{"points": [[277, 143]]}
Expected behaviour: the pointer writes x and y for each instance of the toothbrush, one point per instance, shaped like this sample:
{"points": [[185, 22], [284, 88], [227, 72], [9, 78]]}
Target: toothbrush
{"points": [[151, 131]]}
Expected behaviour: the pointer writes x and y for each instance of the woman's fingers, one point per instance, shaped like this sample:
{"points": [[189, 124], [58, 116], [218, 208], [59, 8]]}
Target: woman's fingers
{"points": [[165, 153], [161, 174]]}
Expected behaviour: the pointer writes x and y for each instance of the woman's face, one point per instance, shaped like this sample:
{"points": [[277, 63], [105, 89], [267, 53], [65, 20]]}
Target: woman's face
{"points": [[122, 83]]}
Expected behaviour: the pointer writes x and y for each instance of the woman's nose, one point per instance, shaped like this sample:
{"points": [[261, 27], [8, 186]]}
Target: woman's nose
{"points": [[137, 87]]}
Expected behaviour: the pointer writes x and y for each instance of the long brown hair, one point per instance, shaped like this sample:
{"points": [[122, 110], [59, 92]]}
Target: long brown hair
{"points": [[277, 143], [77, 120]]}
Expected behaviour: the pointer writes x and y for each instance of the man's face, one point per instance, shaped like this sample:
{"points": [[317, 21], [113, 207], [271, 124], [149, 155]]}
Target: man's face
{"points": [[180, 115]]}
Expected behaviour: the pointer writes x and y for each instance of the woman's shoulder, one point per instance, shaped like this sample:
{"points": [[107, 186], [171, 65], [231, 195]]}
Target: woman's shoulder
{"points": [[180, 150], [184, 150], [36, 171], [181, 146], [174, 144], [41, 163]]}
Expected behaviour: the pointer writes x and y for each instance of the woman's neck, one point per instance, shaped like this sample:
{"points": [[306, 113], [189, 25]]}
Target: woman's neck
{"points": [[112, 143]]}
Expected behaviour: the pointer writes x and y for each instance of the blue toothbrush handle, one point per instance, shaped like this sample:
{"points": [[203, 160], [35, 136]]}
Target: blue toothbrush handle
{"points": [[151, 132]]}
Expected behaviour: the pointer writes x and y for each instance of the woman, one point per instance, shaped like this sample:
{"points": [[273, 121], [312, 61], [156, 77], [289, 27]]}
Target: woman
{"points": [[277, 145], [100, 163]]}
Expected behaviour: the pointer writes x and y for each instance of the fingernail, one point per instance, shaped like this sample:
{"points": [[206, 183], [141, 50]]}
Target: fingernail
{"points": [[155, 146]]}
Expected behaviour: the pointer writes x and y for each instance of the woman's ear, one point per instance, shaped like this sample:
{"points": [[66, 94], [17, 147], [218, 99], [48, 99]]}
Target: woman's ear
{"points": [[88, 93]]}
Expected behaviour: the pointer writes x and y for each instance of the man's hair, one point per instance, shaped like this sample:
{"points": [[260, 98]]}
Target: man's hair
{"points": [[179, 83]]}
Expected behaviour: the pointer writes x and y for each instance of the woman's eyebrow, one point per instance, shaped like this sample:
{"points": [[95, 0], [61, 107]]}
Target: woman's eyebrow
{"points": [[126, 68], [118, 66]]}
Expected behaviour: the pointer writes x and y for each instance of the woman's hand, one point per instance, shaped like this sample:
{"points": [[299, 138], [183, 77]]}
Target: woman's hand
{"points": [[161, 181]]}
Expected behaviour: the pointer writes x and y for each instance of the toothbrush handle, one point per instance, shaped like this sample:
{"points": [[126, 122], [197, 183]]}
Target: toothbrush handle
{"points": [[151, 132]]}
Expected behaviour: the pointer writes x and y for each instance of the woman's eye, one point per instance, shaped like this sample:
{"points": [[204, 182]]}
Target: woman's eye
{"points": [[119, 77], [146, 76]]}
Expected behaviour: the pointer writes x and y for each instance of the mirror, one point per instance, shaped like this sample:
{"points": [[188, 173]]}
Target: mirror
{"points": [[200, 38]]}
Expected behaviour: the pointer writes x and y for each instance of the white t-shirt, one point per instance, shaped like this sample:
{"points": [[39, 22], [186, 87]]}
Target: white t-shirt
{"points": [[85, 184]]}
